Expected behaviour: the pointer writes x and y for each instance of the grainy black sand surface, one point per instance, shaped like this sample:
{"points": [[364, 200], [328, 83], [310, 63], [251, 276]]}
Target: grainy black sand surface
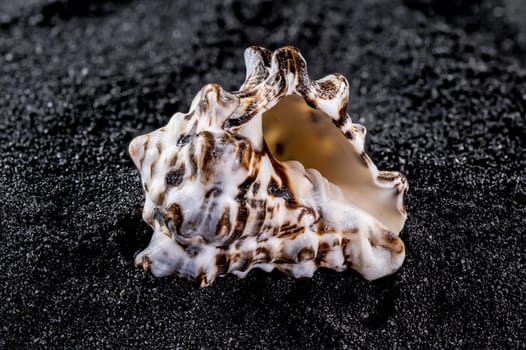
{"points": [[440, 85]]}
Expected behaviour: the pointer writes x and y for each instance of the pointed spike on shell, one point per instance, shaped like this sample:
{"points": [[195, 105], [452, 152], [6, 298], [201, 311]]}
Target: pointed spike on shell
{"points": [[257, 61], [333, 95], [291, 64]]}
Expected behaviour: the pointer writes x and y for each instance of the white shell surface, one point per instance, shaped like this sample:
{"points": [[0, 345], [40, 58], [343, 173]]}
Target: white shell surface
{"points": [[226, 189]]}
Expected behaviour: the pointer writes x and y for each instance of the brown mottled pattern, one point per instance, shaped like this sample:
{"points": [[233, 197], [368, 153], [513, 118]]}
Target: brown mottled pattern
{"points": [[174, 218], [145, 147], [323, 249], [175, 177], [365, 158], [306, 253], [224, 225]]}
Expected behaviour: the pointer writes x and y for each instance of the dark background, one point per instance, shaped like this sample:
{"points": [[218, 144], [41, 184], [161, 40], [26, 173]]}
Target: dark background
{"points": [[440, 85]]}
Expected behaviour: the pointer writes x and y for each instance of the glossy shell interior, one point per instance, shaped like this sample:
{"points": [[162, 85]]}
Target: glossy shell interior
{"points": [[271, 176]]}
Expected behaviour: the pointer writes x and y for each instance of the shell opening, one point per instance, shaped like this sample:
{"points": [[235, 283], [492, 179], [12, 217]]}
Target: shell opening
{"points": [[294, 131]]}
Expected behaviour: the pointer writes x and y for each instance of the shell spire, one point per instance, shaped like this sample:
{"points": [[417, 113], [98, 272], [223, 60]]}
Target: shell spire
{"points": [[273, 175]]}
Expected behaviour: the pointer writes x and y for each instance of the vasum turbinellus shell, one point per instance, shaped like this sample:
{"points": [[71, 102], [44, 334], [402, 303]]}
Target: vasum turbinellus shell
{"points": [[271, 176]]}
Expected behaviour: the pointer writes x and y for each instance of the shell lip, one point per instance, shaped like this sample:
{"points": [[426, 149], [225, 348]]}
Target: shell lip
{"points": [[287, 68]]}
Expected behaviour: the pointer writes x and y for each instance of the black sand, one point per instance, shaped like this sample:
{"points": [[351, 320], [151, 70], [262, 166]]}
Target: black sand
{"points": [[440, 85]]}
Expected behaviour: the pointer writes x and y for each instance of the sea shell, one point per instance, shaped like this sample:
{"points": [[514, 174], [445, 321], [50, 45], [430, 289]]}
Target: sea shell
{"points": [[271, 176]]}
